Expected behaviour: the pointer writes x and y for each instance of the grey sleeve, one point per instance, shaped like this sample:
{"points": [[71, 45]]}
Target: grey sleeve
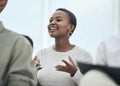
{"points": [[21, 70]]}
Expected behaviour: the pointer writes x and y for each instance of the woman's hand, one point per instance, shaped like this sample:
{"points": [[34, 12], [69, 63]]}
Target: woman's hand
{"points": [[69, 67], [37, 63]]}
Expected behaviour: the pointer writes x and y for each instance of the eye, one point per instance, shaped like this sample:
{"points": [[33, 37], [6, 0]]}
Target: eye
{"points": [[58, 20], [50, 20]]}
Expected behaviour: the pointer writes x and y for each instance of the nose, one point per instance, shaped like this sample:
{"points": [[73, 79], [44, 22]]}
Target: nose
{"points": [[52, 22]]}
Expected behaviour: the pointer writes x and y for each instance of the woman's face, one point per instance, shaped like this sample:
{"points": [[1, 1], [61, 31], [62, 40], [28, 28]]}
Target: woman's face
{"points": [[59, 25], [2, 4]]}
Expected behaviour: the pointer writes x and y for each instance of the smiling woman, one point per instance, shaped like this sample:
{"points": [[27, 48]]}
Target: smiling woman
{"points": [[58, 62]]}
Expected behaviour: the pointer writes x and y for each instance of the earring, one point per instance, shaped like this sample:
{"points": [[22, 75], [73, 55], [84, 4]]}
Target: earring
{"points": [[69, 33]]}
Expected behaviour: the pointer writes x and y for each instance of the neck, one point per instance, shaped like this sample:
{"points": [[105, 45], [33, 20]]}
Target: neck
{"points": [[63, 45]]}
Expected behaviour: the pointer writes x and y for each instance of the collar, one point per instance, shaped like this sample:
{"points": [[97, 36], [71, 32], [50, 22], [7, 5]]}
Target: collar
{"points": [[1, 26]]}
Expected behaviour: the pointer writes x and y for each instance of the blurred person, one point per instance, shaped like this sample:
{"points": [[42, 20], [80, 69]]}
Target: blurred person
{"points": [[58, 62], [16, 65], [108, 54]]}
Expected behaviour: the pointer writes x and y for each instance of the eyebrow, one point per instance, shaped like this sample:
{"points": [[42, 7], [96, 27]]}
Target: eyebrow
{"points": [[57, 17]]}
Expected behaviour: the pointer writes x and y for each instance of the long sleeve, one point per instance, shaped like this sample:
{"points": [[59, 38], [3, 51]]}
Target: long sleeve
{"points": [[77, 76], [83, 57]]}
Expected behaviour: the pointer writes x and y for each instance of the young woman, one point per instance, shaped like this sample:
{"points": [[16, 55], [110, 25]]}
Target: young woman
{"points": [[59, 61]]}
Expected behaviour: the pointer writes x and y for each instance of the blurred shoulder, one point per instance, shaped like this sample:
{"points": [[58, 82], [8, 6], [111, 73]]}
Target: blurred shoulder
{"points": [[112, 40]]}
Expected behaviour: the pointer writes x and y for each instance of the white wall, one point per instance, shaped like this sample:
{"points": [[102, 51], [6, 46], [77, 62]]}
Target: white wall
{"points": [[30, 17]]}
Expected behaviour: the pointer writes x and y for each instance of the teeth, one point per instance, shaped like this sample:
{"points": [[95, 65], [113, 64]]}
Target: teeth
{"points": [[52, 28]]}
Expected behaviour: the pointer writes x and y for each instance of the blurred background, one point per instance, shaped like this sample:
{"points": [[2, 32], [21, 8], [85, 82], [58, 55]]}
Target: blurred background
{"points": [[96, 20]]}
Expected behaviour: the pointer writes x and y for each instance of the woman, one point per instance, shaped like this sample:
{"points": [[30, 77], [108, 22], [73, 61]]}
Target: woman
{"points": [[59, 61]]}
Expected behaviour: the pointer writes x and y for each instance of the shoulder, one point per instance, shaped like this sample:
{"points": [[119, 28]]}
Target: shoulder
{"points": [[110, 42], [14, 38], [45, 51], [20, 47], [84, 54], [81, 50]]}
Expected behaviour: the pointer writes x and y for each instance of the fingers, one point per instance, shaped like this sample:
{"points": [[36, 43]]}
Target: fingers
{"points": [[58, 67], [64, 68], [70, 60], [65, 62], [61, 68], [38, 68], [37, 63], [35, 58]]}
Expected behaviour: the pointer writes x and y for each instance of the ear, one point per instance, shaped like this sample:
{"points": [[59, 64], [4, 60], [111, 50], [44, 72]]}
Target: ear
{"points": [[2, 4], [71, 27]]}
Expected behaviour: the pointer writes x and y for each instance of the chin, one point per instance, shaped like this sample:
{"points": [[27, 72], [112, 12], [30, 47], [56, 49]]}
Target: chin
{"points": [[52, 36]]}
